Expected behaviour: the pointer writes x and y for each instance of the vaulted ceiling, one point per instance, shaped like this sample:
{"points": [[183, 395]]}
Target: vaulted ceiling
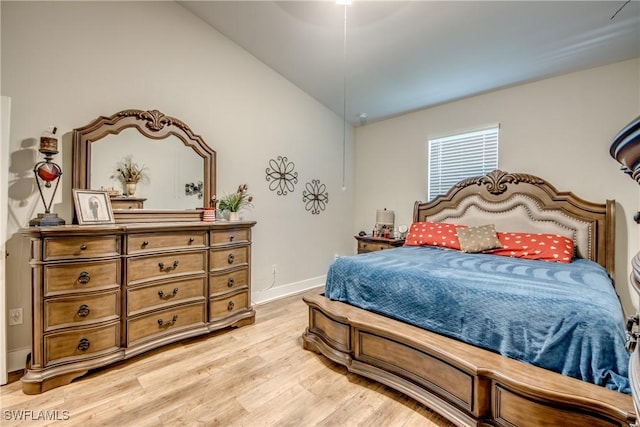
{"points": [[400, 56]]}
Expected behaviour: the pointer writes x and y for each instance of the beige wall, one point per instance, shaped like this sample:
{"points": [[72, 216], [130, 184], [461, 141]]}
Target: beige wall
{"points": [[66, 63], [559, 129]]}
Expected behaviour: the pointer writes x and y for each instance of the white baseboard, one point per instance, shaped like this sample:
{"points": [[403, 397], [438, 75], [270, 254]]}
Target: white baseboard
{"points": [[261, 297], [16, 359]]}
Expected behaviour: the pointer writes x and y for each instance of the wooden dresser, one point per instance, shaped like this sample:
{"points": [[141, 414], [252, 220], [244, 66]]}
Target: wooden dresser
{"points": [[106, 293]]}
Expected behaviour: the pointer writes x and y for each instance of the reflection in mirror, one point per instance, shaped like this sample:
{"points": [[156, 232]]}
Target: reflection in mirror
{"points": [[171, 171], [181, 166]]}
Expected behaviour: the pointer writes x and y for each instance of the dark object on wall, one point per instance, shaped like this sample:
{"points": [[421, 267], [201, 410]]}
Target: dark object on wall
{"points": [[625, 148], [281, 175], [315, 197]]}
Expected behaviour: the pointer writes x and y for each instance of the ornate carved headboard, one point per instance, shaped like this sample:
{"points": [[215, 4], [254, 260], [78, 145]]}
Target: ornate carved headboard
{"points": [[527, 203]]}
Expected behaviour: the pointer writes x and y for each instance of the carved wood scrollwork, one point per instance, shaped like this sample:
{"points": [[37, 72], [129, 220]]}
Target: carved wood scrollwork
{"points": [[156, 120], [497, 180]]}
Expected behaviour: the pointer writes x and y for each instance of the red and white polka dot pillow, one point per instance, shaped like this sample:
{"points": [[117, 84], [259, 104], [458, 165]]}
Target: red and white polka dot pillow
{"points": [[547, 247], [440, 234]]}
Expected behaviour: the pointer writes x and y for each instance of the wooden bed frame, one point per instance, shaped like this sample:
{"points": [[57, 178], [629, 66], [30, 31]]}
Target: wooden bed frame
{"points": [[466, 384]]}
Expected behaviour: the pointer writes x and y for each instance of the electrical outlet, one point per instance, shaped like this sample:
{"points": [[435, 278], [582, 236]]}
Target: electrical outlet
{"points": [[274, 269], [15, 316]]}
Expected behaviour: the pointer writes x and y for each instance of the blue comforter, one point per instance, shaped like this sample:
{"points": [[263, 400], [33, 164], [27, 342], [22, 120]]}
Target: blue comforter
{"points": [[562, 317]]}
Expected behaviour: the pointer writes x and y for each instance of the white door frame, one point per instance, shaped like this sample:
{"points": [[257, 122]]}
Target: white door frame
{"points": [[5, 116]]}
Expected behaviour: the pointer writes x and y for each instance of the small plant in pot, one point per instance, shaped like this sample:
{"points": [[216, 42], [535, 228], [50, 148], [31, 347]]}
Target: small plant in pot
{"points": [[130, 173], [235, 202]]}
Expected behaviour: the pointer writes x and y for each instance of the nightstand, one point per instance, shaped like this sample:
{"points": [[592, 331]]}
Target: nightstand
{"points": [[371, 244]]}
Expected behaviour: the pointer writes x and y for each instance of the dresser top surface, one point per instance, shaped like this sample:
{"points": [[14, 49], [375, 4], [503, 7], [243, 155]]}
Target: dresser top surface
{"points": [[69, 230]]}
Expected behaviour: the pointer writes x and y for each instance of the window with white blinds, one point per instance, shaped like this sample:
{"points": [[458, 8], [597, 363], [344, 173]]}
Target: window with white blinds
{"points": [[456, 157]]}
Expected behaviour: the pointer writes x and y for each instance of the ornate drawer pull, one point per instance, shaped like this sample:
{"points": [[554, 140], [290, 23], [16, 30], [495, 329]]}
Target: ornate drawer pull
{"points": [[231, 238], [84, 277], [171, 322], [230, 282], [230, 306], [231, 258], [191, 240], [145, 243], [83, 310], [169, 268], [167, 296], [83, 247], [84, 344]]}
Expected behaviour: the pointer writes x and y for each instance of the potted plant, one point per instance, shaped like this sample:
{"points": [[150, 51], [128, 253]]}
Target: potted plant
{"points": [[234, 202], [129, 172]]}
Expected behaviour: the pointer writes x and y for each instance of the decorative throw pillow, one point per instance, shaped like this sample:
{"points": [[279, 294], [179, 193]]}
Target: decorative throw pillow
{"points": [[440, 234], [546, 247], [478, 239]]}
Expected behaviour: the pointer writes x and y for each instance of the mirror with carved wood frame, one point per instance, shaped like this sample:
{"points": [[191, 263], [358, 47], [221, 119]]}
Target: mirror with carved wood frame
{"points": [[150, 124]]}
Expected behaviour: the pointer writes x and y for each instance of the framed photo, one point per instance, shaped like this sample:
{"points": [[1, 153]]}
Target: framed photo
{"points": [[93, 207]]}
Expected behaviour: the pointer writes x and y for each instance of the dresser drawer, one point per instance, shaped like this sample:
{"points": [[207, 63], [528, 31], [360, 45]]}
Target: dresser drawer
{"points": [[148, 242], [127, 203], [86, 276], [220, 284], [81, 247], [225, 258], [239, 235], [83, 342], [373, 246], [165, 322], [146, 268], [85, 309], [144, 298], [227, 306]]}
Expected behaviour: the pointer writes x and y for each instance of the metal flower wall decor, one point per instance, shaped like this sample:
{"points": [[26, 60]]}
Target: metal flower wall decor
{"points": [[315, 197], [194, 189], [281, 176]]}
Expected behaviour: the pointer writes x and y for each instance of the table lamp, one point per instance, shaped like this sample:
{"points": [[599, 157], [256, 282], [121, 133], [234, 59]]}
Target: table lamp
{"points": [[384, 222]]}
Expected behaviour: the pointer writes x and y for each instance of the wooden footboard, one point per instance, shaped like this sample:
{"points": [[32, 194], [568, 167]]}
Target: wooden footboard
{"points": [[467, 385]]}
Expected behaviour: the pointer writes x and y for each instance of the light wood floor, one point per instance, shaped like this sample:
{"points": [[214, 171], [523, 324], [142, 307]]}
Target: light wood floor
{"points": [[257, 375]]}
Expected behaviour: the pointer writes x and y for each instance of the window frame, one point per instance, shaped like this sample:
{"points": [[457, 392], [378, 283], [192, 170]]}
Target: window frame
{"points": [[453, 150]]}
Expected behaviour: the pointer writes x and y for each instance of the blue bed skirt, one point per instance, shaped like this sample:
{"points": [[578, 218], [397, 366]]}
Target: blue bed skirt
{"points": [[563, 317]]}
